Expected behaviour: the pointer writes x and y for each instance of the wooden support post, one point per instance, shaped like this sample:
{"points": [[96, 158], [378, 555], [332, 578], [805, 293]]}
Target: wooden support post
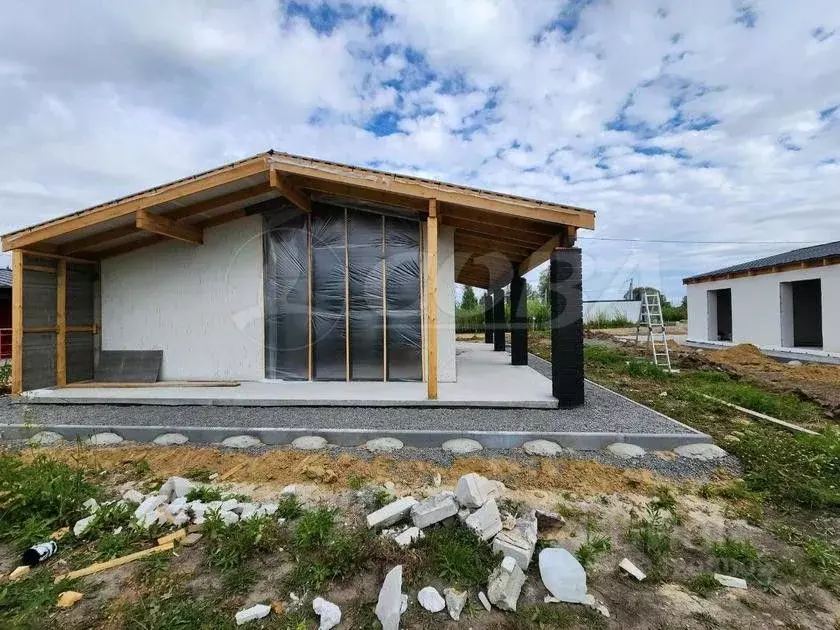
{"points": [[566, 295], [431, 301], [61, 324], [488, 317], [167, 227], [499, 323], [17, 322], [519, 321]]}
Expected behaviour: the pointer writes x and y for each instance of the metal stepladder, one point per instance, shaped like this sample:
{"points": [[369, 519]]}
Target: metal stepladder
{"points": [[650, 317]]}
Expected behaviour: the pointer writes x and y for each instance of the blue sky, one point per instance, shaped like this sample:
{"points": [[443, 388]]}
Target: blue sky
{"points": [[716, 123]]}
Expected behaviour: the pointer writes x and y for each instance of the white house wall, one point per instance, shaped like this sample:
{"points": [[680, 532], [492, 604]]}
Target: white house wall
{"points": [[201, 304], [756, 306], [446, 303]]}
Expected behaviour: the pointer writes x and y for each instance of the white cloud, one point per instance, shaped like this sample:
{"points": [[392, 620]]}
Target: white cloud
{"points": [[723, 140]]}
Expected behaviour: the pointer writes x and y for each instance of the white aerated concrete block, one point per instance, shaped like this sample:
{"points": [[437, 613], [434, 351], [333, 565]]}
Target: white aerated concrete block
{"points": [[486, 522], [434, 510], [391, 513]]}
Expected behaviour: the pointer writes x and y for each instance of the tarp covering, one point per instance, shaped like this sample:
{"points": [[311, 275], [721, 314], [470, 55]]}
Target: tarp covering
{"points": [[285, 274], [329, 314], [349, 251], [402, 291], [365, 254]]}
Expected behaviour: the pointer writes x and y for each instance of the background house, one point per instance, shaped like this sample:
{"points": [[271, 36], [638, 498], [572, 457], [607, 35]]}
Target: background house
{"points": [[791, 300], [5, 314]]}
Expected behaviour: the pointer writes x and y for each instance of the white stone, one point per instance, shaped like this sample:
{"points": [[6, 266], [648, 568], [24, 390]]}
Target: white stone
{"points": [[46, 438], [626, 451], [258, 611], [632, 569], [389, 606], [149, 505], [472, 490], [82, 525], [794, 363], [197, 507], [104, 439], [409, 536], [391, 513], [229, 518], [228, 505], [290, 489], [486, 521], [484, 601], [463, 514], [594, 604], [563, 575], [178, 505], [329, 613], [179, 519], [461, 446], [309, 443], [403, 603], [430, 599], [542, 448], [383, 445], [549, 519], [505, 584], [455, 601], [247, 511], [730, 581], [133, 496], [434, 510], [170, 439], [520, 542], [91, 506], [267, 509], [241, 441], [705, 452], [176, 487]]}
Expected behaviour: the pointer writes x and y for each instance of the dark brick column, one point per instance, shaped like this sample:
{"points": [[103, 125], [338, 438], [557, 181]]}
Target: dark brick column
{"points": [[499, 324], [488, 317], [519, 321], [566, 297]]}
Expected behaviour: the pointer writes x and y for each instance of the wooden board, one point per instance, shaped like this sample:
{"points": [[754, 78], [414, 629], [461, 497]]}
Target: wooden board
{"points": [[163, 226], [112, 385], [116, 562], [431, 301]]}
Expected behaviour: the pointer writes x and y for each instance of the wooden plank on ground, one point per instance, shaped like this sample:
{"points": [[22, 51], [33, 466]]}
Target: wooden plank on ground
{"points": [[173, 537], [110, 564], [755, 414], [230, 473]]}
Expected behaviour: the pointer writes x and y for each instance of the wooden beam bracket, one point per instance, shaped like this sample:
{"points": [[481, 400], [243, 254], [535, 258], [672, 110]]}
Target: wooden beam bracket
{"points": [[163, 226], [290, 192]]}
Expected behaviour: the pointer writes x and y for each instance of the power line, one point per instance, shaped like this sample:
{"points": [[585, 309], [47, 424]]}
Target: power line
{"points": [[641, 240]]}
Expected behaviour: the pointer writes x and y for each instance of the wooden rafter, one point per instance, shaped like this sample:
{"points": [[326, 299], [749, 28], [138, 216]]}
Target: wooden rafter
{"points": [[163, 226], [492, 232], [289, 191], [544, 252]]}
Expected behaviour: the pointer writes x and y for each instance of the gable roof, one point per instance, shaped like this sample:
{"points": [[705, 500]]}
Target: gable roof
{"points": [[825, 254], [520, 230]]}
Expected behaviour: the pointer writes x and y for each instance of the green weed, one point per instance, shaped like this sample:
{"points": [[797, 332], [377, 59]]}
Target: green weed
{"points": [[289, 507], [704, 585], [198, 474], [205, 494], [594, 546], [314, 528], [26, 603], [652, 535], [544, 616], [457, 556], [230, 547]]}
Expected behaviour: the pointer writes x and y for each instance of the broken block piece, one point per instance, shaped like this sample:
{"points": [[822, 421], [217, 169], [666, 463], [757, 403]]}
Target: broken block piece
{"points": [[730, 581], [632, 569], [434, 510], [472, 490], [391, 513], [404, 539], [389, 606], [563, 575], [486, 522], [253, 613], [505, 584], [520, 542]]}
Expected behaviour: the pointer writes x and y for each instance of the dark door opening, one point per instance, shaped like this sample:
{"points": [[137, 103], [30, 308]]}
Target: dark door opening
{"points": [[807, 314], [720, 315]]}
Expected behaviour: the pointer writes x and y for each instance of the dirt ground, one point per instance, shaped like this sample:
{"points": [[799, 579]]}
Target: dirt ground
{"points": [[597, 500]]}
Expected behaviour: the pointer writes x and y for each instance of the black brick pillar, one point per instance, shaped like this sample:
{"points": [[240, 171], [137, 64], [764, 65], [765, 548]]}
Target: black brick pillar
{"points": [[499, 326], [565, 287], [488, 317], [519, 321]]}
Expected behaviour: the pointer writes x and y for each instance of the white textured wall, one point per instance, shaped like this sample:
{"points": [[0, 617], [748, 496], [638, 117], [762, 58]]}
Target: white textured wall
{"points": [[446, 303], [200, 304], [610, 309], [756, 306]]}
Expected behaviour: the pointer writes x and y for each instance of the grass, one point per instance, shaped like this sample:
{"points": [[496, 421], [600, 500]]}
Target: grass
{"points": [[205, 494], [593, 547], [652, 533], [602, 320], [289, 507], [198, 474], [27, 603], [545, 616], [40, 497], [457, 556], [741, 559], [704, 584]]}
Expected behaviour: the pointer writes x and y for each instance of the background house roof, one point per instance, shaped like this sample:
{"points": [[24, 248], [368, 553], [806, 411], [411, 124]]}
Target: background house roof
{"points": [[5, 278], [827, 253]]}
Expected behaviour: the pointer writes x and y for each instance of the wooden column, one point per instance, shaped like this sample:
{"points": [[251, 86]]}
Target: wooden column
{"points": [[519, 321], [17, 322], [61, 324], [431, 301]]}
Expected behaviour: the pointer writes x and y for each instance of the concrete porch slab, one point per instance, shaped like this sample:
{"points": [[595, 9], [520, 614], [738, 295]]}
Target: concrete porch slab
{"points": [[485, 379]]}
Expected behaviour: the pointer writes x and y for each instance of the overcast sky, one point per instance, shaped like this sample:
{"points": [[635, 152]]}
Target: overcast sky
{"points": [[687, 121]]}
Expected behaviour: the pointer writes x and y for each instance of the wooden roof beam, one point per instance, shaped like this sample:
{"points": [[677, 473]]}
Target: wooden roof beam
{"points": [[290, 192], [565, 238], [164, 226]]}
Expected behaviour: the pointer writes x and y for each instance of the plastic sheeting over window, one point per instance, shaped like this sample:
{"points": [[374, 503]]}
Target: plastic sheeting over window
{"points": [[365, 295]]}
